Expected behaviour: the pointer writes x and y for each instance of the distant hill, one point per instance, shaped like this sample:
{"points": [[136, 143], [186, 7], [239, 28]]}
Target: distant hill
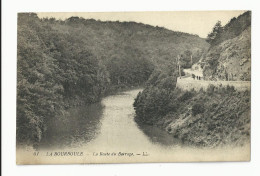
{"points": [[117, 39], [229, 57]]}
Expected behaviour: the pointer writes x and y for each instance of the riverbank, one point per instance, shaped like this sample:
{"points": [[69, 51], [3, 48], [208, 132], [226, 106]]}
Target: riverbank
{"points": [[209, 118]]}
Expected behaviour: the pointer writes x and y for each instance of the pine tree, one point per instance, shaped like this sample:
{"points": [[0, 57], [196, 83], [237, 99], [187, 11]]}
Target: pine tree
{"points": [[213, 36]]}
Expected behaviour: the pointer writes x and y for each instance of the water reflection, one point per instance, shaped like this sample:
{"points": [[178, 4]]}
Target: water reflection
{"points": [[157, 135], [110, 124], [79, 126]]}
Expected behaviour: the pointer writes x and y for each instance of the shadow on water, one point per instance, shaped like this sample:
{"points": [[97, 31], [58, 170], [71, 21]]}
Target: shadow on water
{"points": [[79, 126], [157, 135]]}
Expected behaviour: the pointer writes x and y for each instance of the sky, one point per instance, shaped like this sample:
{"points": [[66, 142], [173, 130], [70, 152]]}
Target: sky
{"points": [[193, 22]]}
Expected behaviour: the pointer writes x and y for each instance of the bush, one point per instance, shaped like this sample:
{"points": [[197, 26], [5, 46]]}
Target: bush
{"points": [[211, 89], [198, 108], [186, 96], [230, 89]]}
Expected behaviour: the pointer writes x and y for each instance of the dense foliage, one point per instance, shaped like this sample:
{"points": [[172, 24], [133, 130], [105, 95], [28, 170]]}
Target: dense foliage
{"points": [[215, 34], [77, 61], [155, 100], [52, 70]]}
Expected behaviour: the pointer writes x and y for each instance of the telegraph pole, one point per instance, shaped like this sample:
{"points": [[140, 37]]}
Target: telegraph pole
{"points": [[191, 59], [179, 64]]}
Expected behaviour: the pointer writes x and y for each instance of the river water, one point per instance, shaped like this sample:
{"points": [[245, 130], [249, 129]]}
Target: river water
{"points": [[108, 124]]}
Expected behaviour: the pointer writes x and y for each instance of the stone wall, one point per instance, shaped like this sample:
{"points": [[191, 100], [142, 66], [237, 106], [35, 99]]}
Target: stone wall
{"points": [[188, 84]]}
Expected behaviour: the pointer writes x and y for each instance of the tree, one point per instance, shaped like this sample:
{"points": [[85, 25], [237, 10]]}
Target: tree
{"points": [[186, 59], [214, 35]]}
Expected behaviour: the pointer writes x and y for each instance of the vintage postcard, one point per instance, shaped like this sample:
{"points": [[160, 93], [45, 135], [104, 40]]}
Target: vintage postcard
{"points": [[132, 87]]}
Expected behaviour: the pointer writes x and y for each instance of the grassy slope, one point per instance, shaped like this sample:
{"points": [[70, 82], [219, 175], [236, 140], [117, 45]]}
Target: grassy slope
{"points": [[225, 120]]}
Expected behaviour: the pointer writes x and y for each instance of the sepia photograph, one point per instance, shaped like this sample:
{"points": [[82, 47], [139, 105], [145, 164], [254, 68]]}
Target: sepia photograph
{"points": [[133, 87]]}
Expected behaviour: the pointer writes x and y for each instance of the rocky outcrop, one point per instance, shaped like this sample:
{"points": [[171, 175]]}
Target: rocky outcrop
{"points": [[230, 60]]}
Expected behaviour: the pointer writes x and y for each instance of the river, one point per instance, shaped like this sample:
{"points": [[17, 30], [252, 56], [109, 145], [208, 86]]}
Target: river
{"points": [[109, 124]]}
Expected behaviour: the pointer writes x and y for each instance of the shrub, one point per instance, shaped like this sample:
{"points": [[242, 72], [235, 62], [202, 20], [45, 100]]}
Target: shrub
{"points": [[211, 88], [198, 108], [186, 96], [230, 89]]}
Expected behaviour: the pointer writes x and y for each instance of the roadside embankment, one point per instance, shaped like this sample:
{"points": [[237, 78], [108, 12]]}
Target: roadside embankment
{"points": [[211, 118]]}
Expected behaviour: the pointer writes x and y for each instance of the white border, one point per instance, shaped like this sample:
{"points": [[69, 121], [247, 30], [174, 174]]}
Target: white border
{"points": [[9, 21]]}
